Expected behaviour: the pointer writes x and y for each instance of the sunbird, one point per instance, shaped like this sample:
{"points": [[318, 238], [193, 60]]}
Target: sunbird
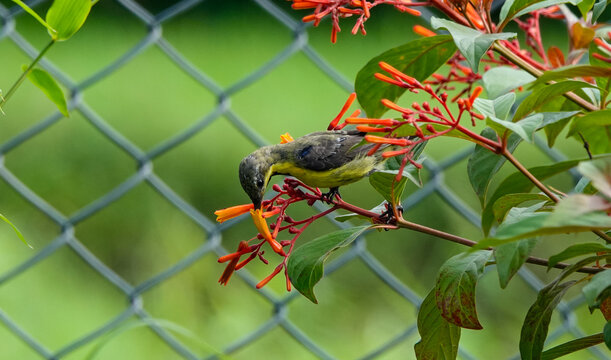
{"points": [[326, 159]]}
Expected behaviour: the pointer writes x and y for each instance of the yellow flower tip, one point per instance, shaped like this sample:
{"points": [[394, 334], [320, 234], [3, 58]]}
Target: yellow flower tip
{"points": [[286, 138], [225, 214], [261, 225]]}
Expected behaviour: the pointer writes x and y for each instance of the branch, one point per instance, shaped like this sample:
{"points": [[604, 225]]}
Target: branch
{"points": [[504, 51], [460, 240], [402, 223]]}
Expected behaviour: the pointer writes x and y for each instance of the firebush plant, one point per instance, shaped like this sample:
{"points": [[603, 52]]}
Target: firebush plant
{"points": [[517, 88]]}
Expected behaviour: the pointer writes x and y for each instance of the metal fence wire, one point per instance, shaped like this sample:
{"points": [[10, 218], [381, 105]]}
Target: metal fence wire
{"points": [[278, 319]]}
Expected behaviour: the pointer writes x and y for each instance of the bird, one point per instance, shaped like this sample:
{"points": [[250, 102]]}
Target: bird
{"points": [[324, 159]]}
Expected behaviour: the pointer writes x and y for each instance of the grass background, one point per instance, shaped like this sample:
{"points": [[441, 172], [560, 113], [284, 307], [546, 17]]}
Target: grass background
{"points": [[149, 100]]}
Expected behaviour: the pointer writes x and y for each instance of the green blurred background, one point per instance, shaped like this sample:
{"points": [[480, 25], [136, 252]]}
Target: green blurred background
{"points": [[148, 100]]}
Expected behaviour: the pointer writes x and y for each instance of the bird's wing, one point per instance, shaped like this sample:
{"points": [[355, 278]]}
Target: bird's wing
{"points": [[328, 150]]}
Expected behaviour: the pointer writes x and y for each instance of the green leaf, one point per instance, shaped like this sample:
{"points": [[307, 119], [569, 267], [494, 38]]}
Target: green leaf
{"points": [[45, 82], [306, 264], [510, 258], [585, 6], [598, 171], [536, 324], [599, 8], [550, 118], [455, 288], [514, 8], [19, 234], [599, 119], [595, 127], [519, 183], [573, 71], [505, 203], [384, 182], [572, 346], [596, 287], [501, 80], [545, 94], [498, 108], [572, 214], [524, 128], [67, 17], [439, 339], [483, 164], [577, 250], [470, 42], [607, 334], [419, 59]]}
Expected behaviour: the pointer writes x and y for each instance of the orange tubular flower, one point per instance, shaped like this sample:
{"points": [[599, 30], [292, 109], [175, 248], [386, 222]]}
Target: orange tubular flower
{"points": [[286, 138], [223, 215], [394, 72], [348, 103], [386, 122], [422, 31], [476, 92], [391, 105], [383, 140], [231, 267], [259, 220], [363, 128]]}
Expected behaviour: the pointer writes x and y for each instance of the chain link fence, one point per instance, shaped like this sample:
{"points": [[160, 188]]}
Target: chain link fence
{"points": [[214, 233]]}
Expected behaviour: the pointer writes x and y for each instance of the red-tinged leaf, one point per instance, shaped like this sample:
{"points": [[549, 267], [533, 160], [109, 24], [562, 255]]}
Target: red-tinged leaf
{"points": [[438, 338], [555, 56], [306, 263], [581, 36], [455, 288], [419, 59], [536, 324]]}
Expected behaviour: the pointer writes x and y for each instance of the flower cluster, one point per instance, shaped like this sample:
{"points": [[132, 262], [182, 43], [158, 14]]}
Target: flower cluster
{"points": [[337, 9], [419, 123], [292, 191]]}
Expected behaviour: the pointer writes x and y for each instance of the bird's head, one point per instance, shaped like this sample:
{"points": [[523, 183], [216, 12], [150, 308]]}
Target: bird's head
{"points": [[254, 175]]}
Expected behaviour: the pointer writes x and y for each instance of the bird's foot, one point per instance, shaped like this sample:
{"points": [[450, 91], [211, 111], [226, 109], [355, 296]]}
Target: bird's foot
{"points": [[388, 216], [328, 197]]}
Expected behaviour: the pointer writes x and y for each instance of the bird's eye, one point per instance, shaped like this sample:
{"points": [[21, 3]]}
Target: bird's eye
{"points": [[260, 183]]}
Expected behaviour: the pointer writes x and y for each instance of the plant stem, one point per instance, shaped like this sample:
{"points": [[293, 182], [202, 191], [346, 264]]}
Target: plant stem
{"points": [[460, 240], [25, 74], [504, 51], [543, 188], [402, 223], [509, 156]]}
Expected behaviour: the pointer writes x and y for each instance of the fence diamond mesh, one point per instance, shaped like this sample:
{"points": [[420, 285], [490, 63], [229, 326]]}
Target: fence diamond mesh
{"points": [[214, 245]]}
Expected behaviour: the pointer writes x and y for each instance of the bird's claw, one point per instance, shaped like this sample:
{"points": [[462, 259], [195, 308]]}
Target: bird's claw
{"points": [[388, 216], [328, 197]]}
